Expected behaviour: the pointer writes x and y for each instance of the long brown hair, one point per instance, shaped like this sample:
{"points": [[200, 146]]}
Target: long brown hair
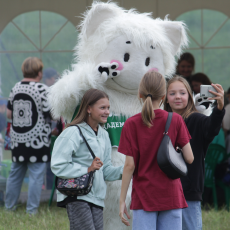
{"points": [[152, 87], [190, 108], [90, 98]]}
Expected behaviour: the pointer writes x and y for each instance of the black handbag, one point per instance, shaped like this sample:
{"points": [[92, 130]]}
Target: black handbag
{"points": [[78, 186], [169, 160]]}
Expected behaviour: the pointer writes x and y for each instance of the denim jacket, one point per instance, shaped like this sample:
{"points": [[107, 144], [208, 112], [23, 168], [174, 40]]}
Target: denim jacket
{"points": [[71, 158]]}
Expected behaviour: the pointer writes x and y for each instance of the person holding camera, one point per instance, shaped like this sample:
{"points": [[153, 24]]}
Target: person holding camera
{"points": [[202, 129]]}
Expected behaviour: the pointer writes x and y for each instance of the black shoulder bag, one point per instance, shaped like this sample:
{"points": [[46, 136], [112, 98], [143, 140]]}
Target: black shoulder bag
{"points": [[78, 186], [169, 160]]}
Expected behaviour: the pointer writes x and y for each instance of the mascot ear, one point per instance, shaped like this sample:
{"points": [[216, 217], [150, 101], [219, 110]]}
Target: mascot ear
{"points": [[176, 32], [99, 13]]}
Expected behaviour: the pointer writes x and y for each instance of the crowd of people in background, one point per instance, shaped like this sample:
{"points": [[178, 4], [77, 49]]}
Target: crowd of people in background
{"points": [[28, 108]]}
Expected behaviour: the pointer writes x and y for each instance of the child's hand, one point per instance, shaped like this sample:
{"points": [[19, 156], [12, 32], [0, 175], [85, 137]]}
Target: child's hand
{"points": [[96, 164], [219, 96], [123, 210]]}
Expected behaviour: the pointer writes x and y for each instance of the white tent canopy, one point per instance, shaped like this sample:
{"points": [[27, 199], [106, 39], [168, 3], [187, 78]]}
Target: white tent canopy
{"points": [[72, 8]]}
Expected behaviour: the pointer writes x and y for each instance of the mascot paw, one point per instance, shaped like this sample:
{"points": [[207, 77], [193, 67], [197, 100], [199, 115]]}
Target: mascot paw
{"points": [[108, 70], [202, 104]]}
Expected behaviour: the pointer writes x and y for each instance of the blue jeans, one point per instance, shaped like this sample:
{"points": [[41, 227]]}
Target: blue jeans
{"points": [[14, 184], [163, 220], [192, 216]]}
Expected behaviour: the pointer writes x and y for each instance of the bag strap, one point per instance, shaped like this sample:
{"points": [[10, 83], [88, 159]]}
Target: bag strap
{"points": [[91, 151], [168, 122]]}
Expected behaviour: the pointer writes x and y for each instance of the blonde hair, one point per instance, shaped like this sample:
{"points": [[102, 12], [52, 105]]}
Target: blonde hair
{"points": [[31, 67], [152, 87], [90, 98], [190, 108]]}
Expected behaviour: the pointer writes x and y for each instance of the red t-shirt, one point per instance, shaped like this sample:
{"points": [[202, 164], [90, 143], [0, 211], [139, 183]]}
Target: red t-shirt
{"points": [[152, 190]]}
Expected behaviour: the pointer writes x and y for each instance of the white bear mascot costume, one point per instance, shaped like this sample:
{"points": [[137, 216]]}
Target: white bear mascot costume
{"points": [[115, 49]]}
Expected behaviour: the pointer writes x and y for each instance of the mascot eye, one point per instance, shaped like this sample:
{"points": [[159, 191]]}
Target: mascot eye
{"points": [[126, 57], [152, 47], [147, 61], [199, 100]]}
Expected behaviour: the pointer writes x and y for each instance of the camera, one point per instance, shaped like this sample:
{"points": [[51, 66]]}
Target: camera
{"points": [[204, 91]]}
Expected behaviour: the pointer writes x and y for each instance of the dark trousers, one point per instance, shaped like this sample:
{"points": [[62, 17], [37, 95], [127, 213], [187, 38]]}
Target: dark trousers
{"points": [[84, 216]]}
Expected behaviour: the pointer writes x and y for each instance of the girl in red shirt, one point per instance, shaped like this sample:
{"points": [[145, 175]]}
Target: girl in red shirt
{"points": [[157, 200]]}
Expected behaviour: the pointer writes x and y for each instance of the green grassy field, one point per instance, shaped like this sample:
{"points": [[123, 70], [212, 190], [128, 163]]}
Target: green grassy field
{"points": [[52, 218], [56, 219], [213, 220]]}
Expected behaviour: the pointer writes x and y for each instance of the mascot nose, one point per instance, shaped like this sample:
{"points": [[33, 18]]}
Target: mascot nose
{"points": [[120, 66], [153, 69]]}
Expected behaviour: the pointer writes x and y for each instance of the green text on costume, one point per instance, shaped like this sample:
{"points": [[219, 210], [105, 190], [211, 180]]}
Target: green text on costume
{"points": [[113, 127]]}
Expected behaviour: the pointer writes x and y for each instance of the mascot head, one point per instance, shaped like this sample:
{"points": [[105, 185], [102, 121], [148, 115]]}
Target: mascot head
{"points": [[115, 48], [136, 42]]}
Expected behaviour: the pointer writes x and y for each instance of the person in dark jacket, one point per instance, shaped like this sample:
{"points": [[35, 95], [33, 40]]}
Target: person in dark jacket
{"points": [[202, 129]]}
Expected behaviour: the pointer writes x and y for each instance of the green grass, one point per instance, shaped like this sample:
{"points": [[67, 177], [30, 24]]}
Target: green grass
{"points": [[216, 220], [56, 219], [52, 218]]}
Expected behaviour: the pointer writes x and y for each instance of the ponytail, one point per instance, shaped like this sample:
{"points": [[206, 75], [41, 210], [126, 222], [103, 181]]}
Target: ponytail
{"points": [[147, 112], [152, 87]]}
